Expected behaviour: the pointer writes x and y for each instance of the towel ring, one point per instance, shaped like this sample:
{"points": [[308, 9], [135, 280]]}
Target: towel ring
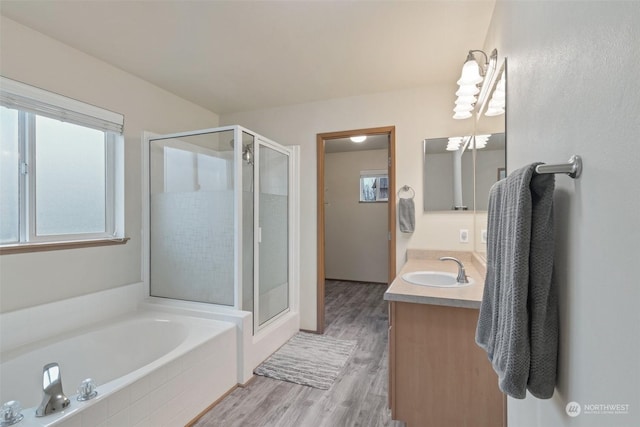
{"points": [[409, 189]]}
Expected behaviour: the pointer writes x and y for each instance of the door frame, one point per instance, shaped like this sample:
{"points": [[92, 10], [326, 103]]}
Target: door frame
{"points": [[391, 217]]}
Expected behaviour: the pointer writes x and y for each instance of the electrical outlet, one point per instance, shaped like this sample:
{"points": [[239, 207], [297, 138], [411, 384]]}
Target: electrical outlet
{"points": [[483, 236], [464, 235]]}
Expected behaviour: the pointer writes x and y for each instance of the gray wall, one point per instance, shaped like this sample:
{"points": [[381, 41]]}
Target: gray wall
{"points": [[573, 85], [356, 245]]}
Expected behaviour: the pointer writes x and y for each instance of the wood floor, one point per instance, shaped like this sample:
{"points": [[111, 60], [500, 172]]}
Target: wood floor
{"points": [[354, 311]]}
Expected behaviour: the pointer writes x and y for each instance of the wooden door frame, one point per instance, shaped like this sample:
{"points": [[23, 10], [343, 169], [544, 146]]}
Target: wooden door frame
{"points": [[391, 217]]}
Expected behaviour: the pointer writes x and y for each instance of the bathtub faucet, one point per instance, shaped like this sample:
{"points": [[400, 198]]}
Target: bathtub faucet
{"points": [[53, 399]]}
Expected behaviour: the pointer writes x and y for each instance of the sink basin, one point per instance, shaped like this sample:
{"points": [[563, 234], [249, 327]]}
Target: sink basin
{"points": [[438, 279]]}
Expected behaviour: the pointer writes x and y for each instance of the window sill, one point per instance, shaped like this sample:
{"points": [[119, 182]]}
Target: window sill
{"points": [[20, 248]]}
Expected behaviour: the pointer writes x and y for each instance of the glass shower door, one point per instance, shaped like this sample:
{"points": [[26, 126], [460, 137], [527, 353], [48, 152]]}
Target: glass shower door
{"points": [[192, 217], [272, 287]]}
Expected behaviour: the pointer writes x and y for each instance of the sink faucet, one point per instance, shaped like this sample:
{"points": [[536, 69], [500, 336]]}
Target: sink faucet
{"points": [[462, 275], [53, 399]]}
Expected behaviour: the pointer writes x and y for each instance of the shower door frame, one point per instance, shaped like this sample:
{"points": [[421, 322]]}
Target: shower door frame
{"points": [[293, 221], [258, 142]]}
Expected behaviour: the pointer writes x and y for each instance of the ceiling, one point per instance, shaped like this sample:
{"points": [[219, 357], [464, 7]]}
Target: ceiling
{"points": [[232, 56], [341, 145]]}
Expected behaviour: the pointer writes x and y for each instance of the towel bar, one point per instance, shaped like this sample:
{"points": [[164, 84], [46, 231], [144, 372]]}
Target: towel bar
{"points": [[407, 188], [573, 167]]}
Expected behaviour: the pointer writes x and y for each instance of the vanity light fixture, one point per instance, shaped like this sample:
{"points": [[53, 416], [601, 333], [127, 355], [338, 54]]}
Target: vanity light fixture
{"points": [[480, 141], [474, 74], [358, 139], [454, 142], [467, 142], [497, 103]]}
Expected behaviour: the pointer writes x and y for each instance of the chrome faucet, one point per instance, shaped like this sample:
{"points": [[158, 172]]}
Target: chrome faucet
{"points": [[462, 275], [53, 399]]}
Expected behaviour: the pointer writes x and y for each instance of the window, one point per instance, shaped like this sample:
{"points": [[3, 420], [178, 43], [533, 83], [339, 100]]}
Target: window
{"points": [[374, 186], [61, 171]]}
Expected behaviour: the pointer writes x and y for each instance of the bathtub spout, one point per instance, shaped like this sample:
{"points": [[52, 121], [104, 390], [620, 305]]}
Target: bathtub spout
{"points": [[53, 399]]}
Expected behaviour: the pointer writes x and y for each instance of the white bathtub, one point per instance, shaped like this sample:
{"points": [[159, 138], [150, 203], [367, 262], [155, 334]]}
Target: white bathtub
{"points": [[152, 368]]}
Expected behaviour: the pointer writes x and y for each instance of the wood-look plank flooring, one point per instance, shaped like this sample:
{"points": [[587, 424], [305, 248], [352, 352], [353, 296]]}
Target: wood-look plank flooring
{"points": [[354, 311]]}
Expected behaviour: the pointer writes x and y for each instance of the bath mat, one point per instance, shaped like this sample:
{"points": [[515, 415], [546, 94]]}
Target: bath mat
{"points": [[308, 359]]}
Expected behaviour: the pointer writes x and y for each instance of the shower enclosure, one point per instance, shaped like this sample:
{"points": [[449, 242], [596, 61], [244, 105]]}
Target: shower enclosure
{"points": [[220, 212]]}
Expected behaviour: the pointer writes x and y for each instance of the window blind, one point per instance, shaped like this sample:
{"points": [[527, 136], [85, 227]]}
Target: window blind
{"points": [[17, 95]]}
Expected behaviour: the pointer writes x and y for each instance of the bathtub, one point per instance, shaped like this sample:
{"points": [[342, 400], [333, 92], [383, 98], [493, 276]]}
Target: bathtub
{"points": [[153, 368]]}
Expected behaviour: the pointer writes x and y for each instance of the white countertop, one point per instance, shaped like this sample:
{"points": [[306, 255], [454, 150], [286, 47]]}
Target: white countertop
{"points": [[465, 296]]}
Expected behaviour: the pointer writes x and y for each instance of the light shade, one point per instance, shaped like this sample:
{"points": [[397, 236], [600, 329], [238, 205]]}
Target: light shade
{"points": [[466, 100], [470, 73], [358, 139], [462, 115], [468, 90], [461, 108], [494, 112]]}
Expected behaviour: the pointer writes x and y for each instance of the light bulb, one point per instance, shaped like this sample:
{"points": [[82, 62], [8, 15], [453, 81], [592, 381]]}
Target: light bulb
{"points": [[358, 139]]}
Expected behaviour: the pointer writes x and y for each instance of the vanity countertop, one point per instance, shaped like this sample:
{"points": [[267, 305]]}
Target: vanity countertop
{"points": [[464, 297]]}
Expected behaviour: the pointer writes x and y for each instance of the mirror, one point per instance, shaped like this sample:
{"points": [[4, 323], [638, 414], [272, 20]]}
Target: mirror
{"points": [[459, 180], [491, 161], [490, 167], [447, 176]]}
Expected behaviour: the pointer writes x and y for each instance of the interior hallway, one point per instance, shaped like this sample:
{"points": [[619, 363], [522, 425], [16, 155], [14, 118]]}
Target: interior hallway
{"points": [[354, 311]]}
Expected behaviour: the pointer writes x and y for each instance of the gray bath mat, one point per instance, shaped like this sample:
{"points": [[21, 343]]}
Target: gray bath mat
{"points": [[308, 359]]}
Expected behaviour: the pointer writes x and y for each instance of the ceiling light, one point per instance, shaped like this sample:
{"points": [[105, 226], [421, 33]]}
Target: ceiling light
{"points": [[358, 139]]}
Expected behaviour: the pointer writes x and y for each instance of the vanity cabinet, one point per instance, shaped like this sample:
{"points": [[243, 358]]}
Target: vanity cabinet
{"points": [[438, 376]]}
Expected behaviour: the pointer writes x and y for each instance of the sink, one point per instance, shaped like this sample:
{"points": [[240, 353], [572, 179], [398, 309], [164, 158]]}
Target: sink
{"points": [[438, 279]]}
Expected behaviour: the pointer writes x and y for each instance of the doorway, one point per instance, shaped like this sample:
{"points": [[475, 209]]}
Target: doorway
{"points": [[375, 192]]}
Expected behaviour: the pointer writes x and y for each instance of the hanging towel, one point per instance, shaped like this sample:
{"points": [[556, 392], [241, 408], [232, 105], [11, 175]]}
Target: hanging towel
{"points": [[518, 322], [407, 215]]}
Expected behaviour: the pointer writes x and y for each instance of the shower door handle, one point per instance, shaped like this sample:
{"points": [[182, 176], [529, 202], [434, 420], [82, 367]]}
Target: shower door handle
{"points": [[259, 234]]}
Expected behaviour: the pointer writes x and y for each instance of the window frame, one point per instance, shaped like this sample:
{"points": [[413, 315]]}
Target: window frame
{"points": [[28, 239]]}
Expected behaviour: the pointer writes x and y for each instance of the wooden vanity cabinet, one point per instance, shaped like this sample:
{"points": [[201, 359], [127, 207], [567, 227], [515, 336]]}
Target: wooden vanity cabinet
{"points": [[438, 376]]}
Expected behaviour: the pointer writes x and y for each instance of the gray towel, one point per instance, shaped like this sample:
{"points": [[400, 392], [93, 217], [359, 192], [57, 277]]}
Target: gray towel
{"points": [[518, 323], [407, 215]]}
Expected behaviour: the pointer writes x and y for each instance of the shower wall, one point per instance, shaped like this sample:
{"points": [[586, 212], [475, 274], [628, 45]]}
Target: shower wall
{"points": [[219, 218], [192, 218]]}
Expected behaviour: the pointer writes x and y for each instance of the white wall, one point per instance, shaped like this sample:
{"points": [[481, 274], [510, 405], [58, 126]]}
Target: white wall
{"points": [[356, 234], [573, 85], [416, 113], [30, 57]]}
